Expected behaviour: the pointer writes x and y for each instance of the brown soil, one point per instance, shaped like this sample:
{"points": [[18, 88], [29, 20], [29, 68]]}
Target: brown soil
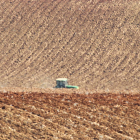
{"points": [[93, 43], [26, 115]]}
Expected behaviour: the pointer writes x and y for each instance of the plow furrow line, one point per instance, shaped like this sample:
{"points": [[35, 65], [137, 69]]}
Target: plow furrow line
{"points": [[59, 50], [117, 65], [104, 114], [24, 23], [81, 56], [116, 114], [51, 30], [96, 124], [11, 133], [90, 59], [62, 47], [126, 65], [63, 112], [92, 111], [32, 127], [36, 50], [134, 70], [70, 48], [23, 118], [8, 9], [34, 58], [73, 120], [47, 122], [107, 58], [111, 78], [101, 79], [5, 21], [106, 67]]}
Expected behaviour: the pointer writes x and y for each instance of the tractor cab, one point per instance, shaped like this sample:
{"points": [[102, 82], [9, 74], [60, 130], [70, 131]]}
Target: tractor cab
{"points": [[63, 83]]}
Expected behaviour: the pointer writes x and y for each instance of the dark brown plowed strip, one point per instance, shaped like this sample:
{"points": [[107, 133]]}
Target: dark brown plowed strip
{"points": [[106, 115]]}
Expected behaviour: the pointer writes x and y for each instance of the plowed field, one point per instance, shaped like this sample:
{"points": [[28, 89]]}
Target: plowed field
{"points": [[94, 43], [57, 115]]}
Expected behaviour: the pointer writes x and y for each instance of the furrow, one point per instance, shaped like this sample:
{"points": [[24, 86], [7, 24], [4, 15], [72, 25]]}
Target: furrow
{"points": [[19, 16], [54, 123], [34, 58], [99, 119], [32, 125], [6, 19], [22, 23]]}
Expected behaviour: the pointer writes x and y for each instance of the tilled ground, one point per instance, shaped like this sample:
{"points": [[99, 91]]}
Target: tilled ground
{"points": [[94, 43], [33, 115]]}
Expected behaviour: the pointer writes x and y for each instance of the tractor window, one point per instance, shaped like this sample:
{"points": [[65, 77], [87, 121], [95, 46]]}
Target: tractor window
{"points": [[57, 82], [61, 83]]}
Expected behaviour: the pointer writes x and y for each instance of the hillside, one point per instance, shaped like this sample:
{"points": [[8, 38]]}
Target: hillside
{"points": [[93, 43]]}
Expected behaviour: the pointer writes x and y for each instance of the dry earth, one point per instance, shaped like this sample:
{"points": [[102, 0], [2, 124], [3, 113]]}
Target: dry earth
{"points": [[94, 43], [57, 115]]}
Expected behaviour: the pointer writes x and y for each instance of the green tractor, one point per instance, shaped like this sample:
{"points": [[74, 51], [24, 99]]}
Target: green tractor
{"points": [[63, 83]]}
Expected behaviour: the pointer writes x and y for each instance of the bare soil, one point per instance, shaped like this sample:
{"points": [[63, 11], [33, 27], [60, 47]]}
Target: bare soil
{"points": [[32, 115], [93, 43]]}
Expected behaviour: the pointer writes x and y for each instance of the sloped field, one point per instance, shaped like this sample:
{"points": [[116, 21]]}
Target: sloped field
{"points": [[93, 43], [69, 115]]}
